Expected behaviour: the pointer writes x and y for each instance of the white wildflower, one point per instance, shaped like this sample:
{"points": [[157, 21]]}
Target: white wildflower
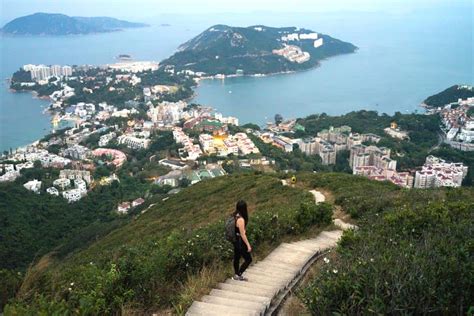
{"points": [[326, 260], [69, 289], [72, 283], [371, 259], [334, 271], [197, 236]]}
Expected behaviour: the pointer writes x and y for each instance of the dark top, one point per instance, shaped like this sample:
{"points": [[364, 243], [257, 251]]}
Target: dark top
{"points": [[237, 230]]}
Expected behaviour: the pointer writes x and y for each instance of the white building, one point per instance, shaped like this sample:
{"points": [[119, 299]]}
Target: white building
{"points": [[437, 172], [73, 174], [133, 142], [123, 207], [80, 185], [105, 139], [62, 183], [310, 36], [52, 191], [33, 185], [318, 43], [66, 71], [72, 195], [207, 143]]}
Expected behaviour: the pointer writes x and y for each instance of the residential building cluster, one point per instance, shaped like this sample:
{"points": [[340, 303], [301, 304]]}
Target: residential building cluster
{"points": [[224, 145], [156, 91], [436, 172], [318, 41], [105, 139], [458, 125], [135, 140], [190, 151], [167, 114], [43, 72], [293, 53], [181, 171], [375, 163], [134, 66], [124, 207]]}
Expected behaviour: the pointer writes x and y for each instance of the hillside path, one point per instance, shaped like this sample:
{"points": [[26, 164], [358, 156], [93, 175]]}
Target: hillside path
{"points": [[271, 279]]}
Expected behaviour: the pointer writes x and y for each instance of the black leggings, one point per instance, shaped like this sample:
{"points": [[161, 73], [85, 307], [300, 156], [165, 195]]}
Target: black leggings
{"points": [[240, 250]]}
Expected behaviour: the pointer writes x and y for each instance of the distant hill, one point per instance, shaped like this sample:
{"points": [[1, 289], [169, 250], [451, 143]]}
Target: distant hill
{"points": [[60, 24], [223, 49], [451, 94]]}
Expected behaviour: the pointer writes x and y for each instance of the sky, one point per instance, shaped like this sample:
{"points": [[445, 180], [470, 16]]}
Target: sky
{"points": [[143, 9]]}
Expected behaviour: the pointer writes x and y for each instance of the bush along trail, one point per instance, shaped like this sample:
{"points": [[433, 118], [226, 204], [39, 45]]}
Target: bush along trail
{"points": [[271, 279]]}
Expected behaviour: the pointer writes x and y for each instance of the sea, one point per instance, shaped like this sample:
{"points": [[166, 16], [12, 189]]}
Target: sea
{"points": [[402, 58]]}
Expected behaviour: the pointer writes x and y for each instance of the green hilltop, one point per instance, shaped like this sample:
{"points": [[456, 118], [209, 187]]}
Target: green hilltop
{"points": [[223, 49]]}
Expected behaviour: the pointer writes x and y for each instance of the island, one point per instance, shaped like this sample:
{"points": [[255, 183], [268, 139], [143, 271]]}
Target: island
{"points": [[225, 50], [60, 24]]}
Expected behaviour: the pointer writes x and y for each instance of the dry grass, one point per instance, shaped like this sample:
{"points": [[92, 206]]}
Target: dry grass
{"points": [[200, 284], [32, 275]]}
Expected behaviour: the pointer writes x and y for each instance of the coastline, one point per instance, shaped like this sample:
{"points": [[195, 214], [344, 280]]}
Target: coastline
{"points": [[45, 112]]}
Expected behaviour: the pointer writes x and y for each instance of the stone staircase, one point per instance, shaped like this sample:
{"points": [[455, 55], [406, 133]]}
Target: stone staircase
{"points": [[269, 280]]}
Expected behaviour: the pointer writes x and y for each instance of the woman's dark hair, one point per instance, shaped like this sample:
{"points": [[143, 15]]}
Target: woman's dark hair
{"points": [[241, 209]]}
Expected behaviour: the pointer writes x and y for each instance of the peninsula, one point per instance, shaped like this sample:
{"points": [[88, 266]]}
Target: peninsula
{"points": [[226, 50], [60, 24]]}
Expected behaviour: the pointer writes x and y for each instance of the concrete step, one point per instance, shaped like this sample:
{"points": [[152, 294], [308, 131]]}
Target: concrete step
{"points": [[333, 234], [285, 251], [298, 247], [266, 279], [253, 284], [318, 244], [240, 296], [204, 309], [276, 280], [295, 259], [272, 264], [241, 304], [246, 290], [271, 272]]}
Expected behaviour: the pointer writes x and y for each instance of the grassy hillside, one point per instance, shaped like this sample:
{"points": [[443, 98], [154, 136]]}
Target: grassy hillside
{"points": [[413, 253], [141, 265]]}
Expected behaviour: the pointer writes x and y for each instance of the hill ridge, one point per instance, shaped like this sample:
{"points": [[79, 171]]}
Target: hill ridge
{"points": [[42, 23]]}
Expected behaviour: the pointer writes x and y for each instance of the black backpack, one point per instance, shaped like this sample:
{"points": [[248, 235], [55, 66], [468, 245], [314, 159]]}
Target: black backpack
{"points": [[230, 229]]}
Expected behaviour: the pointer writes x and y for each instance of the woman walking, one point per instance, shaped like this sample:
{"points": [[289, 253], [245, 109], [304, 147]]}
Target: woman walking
{"points": [[242, 246]]}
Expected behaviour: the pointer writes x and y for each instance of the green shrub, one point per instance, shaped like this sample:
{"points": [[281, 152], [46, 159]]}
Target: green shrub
{"points": [[413, 261]]}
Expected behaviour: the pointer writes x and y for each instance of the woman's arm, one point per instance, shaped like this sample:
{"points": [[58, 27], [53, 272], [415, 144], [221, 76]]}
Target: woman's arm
{"points": [[241, 226]]}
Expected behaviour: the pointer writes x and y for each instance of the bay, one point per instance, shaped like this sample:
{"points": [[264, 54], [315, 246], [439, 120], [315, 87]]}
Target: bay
{"points": [[402, 58]]}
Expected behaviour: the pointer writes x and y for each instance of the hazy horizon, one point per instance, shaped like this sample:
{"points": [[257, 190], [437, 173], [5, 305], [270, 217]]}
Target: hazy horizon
{"points": [[144, 10]]}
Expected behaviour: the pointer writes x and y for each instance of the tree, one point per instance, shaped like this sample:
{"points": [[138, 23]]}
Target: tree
{"points": [[184, 182], [278, 119]]}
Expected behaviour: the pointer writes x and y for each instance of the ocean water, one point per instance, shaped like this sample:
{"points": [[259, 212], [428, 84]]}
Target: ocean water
{"points": [[402, 58]]}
